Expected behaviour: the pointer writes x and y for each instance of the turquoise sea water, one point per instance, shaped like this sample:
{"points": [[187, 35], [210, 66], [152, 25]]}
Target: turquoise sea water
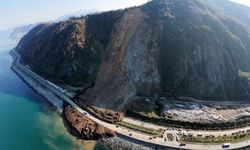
{"points": [[27, 121]]}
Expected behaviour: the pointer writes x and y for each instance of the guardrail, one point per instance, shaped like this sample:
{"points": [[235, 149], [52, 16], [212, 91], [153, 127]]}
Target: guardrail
{"points": [[58, 91]]}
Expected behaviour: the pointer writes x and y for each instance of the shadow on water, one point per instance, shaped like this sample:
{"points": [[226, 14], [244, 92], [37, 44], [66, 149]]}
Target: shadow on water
{"points": [[11, 84]]}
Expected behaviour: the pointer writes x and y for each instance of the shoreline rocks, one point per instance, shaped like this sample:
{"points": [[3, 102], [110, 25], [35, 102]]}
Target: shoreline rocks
{"points": [[122, 143]]}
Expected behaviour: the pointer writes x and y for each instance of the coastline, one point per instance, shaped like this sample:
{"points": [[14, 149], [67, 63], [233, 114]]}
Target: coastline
{"points": [[117, 142], [38, 88]]}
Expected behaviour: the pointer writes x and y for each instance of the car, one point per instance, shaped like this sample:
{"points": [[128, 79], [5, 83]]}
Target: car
{"points": [[183, 144], [226, 145]]}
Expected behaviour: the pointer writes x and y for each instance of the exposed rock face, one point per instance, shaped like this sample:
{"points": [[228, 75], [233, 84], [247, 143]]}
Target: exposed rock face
{"points": [[84, 127], [129, 65], [169, 48]]}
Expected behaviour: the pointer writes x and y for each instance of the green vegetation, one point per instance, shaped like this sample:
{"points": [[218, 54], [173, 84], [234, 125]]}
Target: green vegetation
{"points": [[220, 139], [141, 129], [197, 51], [69, 52]]}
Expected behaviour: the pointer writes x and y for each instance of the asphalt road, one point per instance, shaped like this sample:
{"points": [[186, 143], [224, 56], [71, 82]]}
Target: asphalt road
{"points": [[130, 133]]}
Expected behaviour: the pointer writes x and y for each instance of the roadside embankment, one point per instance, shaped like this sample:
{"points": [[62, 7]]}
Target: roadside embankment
{"points": [[83, 124], [82, 127], [105, 115], [39, 88]]}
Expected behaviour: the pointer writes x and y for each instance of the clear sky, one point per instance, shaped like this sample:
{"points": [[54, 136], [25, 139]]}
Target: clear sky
{"points": [[244, 2], [19, 12]]}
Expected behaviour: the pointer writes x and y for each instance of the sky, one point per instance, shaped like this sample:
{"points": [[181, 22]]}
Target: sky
{"points": [[22, 12], [244, 2]]}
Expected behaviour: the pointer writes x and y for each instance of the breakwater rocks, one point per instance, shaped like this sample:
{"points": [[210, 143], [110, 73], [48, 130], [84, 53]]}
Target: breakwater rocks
{"points": [[123, 143]]}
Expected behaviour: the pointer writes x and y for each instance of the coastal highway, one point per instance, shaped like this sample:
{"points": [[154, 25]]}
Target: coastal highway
{"points": [[67, 96]]}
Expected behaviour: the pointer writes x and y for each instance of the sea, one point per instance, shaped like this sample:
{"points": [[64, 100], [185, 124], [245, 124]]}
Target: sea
{"points": [[27, 120]]}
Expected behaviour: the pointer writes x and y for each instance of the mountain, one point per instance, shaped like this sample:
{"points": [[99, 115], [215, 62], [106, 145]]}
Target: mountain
{"points": [[5, 42], [69, 51], [241, 12], [165, 48], [76, 14], [19, 32]]}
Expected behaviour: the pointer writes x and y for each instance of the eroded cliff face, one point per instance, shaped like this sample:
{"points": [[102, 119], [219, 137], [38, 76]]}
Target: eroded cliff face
{"points": [[165, 48], [129, 65]]}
